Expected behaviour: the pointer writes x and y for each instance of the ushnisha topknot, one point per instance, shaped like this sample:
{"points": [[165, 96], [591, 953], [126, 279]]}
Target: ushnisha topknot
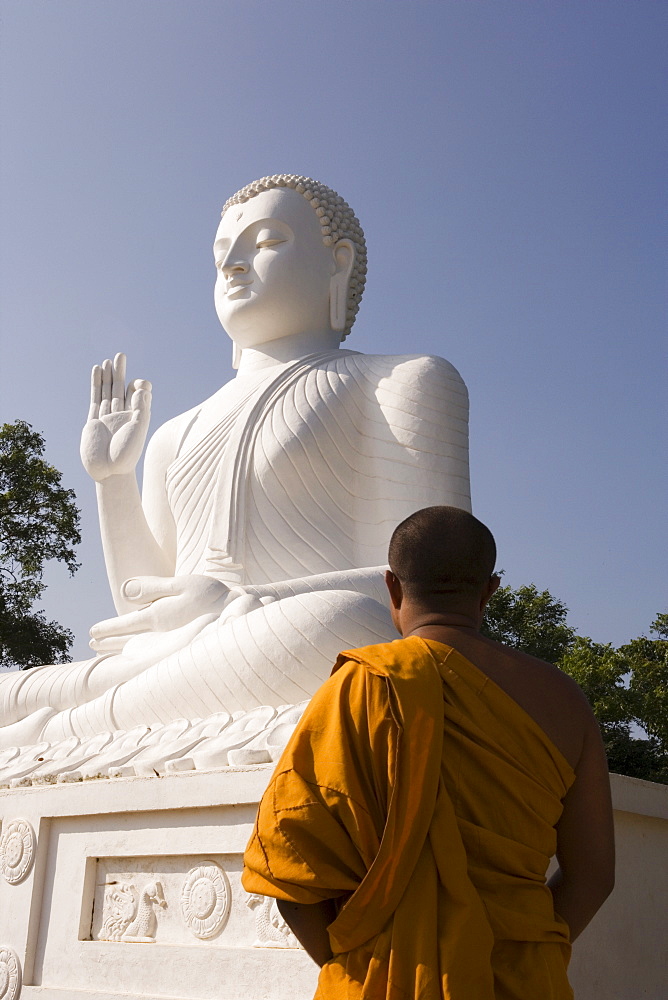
{"points": [[337, 222]]}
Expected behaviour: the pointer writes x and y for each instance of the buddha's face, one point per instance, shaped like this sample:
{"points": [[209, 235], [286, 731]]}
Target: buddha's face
{"points": [[274, 271]]}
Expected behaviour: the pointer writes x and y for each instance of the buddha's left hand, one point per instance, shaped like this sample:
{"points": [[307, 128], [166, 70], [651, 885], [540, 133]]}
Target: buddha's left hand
{"points": [[165, 603]]}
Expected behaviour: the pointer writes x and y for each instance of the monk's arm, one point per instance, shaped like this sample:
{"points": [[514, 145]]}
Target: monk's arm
{"points": [[309, 923], [585, 839]]}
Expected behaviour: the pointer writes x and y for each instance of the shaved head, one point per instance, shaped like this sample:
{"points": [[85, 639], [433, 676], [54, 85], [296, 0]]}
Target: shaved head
{"points": [[442, 552]]}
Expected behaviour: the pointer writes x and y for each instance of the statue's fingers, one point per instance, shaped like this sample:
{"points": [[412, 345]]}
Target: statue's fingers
{"points": [[240, 607], [95, 392], [113, 644], [136, 621], [144, 590], [118, 384], [105, 399], [141, 395], [141, 401]]}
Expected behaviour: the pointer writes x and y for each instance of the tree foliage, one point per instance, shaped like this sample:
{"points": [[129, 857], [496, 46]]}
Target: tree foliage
{"points": [[647, 661], [626, 687], [599, 669], [531, 620], [39, 521]]}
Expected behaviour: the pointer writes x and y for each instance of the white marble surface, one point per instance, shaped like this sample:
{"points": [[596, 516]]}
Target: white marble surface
{"points": [[86, 867], [255, 737], [132, 889], [256, 552]]}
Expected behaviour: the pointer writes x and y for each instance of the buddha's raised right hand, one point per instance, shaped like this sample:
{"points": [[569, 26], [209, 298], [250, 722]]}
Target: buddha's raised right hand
{"points": [[114, 434]]}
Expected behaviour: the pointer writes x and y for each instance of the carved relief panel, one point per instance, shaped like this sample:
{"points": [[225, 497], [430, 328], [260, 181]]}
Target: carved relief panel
{"points": [[10, 974], [205, 900], [168, 900], [17, 851], [270, 927]]}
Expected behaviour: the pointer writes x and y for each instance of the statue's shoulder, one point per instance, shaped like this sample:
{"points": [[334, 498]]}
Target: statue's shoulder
{"points": [[166, 440], [176, 426], [408, 369]]}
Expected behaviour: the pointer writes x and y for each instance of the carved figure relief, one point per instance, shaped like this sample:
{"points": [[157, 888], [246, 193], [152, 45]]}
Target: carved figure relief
{"points": [[205, 900], [17, 851], [130, 914], [10, 974], [270, 927], [120, 904]]}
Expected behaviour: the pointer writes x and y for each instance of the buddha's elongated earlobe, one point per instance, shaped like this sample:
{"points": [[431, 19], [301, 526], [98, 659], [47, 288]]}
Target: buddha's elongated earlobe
{"points": [[236, 355], [344, 257]]}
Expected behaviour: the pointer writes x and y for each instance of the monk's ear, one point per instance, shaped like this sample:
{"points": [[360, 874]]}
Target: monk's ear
{"points": [[491, 588], [344, 258], [394, 586]]}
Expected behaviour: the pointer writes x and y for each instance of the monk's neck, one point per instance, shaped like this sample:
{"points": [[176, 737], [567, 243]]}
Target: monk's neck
{"points": [[287, 349], [435, 625]]}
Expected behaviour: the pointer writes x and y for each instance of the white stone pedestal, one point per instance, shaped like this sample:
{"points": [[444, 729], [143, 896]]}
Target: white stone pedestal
{"points": [[130, 887]]}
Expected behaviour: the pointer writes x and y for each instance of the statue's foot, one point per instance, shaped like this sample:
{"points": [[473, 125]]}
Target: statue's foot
{"points": [[26, 731]]}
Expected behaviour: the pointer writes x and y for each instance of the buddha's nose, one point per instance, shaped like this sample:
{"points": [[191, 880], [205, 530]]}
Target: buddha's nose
{"points": [[234, 266]]}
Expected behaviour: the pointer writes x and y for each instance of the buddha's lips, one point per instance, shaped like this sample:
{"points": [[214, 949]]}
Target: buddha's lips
{"points": [[236, 287]]}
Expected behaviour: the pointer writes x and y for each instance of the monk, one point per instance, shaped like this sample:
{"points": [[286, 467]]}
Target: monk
{"points": [[407, 830]]}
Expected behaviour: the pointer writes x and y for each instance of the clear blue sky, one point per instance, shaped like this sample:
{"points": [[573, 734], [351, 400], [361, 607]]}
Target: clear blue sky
{"points": [[507, 161]]}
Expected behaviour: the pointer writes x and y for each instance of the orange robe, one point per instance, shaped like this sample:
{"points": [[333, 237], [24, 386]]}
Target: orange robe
{"points": [[421, 794]]}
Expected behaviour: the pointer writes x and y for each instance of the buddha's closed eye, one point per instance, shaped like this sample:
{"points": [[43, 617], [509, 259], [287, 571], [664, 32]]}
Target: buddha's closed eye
{"points": [[265, 244]]}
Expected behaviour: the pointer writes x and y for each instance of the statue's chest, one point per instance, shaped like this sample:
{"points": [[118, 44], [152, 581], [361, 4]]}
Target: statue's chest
{"points": [[319, 419]]}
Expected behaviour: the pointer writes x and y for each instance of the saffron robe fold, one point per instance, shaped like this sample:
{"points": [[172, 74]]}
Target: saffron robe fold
{"points": [[421, 795]]}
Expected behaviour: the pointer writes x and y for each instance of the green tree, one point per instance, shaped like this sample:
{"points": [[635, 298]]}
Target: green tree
{"points": [[599, 670], [39, 521], [531, 620], [660, 626], [648, 665], [625, 687]]}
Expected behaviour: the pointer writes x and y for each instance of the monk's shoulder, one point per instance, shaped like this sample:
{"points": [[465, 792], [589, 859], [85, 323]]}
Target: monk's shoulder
{"points": [[544, 677], [545, 692]]}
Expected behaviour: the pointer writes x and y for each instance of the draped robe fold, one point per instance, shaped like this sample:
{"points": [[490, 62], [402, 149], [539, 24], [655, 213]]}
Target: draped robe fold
{"points": [[312, 470], [306, 472], [421, 795], [209, 486]]}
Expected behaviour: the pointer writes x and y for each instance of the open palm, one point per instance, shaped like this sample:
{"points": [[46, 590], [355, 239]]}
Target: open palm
{"points": [[114, 434]]}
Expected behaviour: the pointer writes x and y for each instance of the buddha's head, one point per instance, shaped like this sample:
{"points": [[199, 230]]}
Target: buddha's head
{"points": [[291, 259]]}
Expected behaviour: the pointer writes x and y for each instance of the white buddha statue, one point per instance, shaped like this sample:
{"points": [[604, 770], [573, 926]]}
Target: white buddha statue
{"points": [[257, 550]]}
